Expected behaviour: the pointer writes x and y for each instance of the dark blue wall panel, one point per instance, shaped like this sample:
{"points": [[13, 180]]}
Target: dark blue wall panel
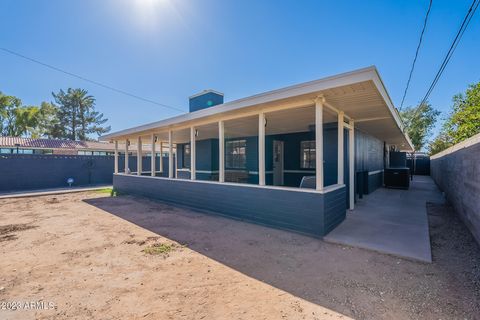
{"points": [[299, 211], [29, 172]]}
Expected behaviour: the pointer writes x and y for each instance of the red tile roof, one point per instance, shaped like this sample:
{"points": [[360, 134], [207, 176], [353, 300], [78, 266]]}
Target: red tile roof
{"points": [[11, 142]]}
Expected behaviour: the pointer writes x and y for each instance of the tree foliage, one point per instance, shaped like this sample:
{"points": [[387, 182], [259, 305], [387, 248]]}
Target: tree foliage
{"points": [[77, 115], [74, 118], [419, 122], [462, 123]]}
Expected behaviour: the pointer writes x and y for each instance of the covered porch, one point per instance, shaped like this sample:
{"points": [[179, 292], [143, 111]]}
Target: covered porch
{"points": [[285, 158]]}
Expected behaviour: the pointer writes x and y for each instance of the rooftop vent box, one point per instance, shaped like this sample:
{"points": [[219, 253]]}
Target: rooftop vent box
{"points": [[205, 99]]}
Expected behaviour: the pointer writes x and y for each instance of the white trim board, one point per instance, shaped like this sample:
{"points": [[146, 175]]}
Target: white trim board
{"points": [[325, 190]]}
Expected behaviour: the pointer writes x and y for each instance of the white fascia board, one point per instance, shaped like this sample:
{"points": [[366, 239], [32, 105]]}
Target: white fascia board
{"points": [[393, 111], [343, 79]]}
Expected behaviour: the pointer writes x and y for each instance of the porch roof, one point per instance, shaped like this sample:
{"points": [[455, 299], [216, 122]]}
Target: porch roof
{"points": [[360, 94]]}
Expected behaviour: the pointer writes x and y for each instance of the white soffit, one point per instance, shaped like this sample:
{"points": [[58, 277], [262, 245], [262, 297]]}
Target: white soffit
{"points": [[360, 94]]}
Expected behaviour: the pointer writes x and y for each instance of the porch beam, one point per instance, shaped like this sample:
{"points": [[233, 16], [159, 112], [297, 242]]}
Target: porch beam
{"points": [[170, 155], [351, 164], [193, 170], [261, 149], [126, 156], [340, 154], [139, 156], [371, 119], [216, 118], [319, 102], [153, 156], [116, 157], [221, 151]]}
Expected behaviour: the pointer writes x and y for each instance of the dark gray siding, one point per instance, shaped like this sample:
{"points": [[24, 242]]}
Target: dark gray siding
{"points": [[334, 209], [375, 181], [293, 210], [368, 152]]}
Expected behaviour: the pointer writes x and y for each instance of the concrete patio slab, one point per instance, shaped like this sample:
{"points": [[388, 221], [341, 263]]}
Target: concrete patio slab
{"points": [[391, 221]]}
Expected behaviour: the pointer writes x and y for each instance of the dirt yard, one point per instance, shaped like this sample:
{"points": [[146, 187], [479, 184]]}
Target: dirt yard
{"points": [[91, 256]]}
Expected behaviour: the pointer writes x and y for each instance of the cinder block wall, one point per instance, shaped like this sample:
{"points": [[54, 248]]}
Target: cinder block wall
{"points": [[457, 172]]}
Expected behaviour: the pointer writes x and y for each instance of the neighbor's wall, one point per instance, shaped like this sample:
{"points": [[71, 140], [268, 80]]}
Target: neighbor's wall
{"points": [[20, 172], [457, 172]]}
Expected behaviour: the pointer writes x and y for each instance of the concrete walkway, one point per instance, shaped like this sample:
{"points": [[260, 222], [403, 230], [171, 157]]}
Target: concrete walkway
{"points": [[45, 192], [391, 221]]}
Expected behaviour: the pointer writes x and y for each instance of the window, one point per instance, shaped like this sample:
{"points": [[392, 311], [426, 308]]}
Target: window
{"points": [[43, 151], [186, 156], [236, 154], [307, 154], [5, 150]]}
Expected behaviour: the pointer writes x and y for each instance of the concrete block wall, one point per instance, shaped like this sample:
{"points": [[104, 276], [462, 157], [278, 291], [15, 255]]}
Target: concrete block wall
{"points": [[457, 172]]}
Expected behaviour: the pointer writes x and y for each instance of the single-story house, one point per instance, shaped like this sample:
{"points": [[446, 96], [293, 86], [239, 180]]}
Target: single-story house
{"points": [[287, 158], [19, 145]]}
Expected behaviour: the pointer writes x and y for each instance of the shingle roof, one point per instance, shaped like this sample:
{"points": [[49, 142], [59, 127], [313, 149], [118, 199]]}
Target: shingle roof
{"points": [[11, 142]]}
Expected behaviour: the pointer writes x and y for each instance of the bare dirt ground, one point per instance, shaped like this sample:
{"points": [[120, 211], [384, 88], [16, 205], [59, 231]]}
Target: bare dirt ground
{"points": [[98, 257]]}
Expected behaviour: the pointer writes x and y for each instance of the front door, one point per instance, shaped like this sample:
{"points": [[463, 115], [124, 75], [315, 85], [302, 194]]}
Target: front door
{"points": [[277, 163]]}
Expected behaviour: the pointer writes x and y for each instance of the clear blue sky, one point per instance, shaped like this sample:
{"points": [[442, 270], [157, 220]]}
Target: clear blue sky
{"points": [[166, 50]]}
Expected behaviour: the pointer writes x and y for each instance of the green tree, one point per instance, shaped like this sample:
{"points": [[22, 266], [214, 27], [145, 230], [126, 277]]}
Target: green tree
{"points": [[464, 121], [419, 122], [77, 116], [8, 113], [26, 120], [440, 143], [48, 124]]}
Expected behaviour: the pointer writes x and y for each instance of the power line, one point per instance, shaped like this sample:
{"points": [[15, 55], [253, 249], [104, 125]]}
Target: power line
{"points": [[416, 53], [456, 40], [126, 93]]}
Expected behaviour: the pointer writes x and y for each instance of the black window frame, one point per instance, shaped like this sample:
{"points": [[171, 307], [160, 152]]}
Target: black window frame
{"points": [[187, 156], [236, 154], [308, 160]]}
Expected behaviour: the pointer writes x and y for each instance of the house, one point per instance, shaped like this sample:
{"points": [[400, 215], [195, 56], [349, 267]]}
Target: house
{"points": [[18, 145], [289, 158]]}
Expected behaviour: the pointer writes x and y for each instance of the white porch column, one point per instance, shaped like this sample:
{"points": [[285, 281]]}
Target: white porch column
{"points": [[139, 156], [319, 143], [161, 157], [351, 163], [193, 165], [126, 156], [340, 157], [261, 149], [170, 155], [221, 151], [153, 156], [116, 157]]}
